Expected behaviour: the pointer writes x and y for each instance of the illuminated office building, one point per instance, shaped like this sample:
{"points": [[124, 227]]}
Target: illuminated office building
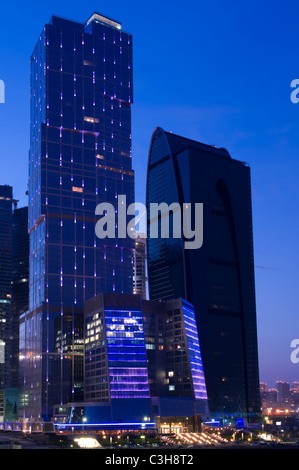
{"points": [[80, 156], [115, 354], [115, 357], [217, 278], [142, 366]]}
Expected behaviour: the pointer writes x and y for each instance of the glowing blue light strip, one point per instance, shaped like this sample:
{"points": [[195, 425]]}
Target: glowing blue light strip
{"points": [[128, 349], [63, 425], [193, 346]]}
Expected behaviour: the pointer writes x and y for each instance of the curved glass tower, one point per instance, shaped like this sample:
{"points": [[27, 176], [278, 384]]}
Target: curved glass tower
{"points": [[218, 278]]}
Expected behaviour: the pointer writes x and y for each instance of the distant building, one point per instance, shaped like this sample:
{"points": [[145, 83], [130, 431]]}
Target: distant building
{"points": [[283, 392], [295, 398], [281, 399], [270, 398], [295, 386], [263, 392], [263, 387], [139, 268]]}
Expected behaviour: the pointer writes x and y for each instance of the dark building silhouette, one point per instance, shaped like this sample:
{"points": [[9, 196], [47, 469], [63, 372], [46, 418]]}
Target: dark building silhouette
{"points": [[20, 259], [19, 282], [80, 156], [218, 277], [6, 324], [139, 267], [14, 265], [283, 392]]}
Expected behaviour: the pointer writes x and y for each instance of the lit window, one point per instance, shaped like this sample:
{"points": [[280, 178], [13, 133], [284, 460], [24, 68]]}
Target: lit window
{"points": [[91, 119]]}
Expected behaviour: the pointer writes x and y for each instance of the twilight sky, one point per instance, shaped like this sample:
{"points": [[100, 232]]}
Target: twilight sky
{"points": [[218, 72]]}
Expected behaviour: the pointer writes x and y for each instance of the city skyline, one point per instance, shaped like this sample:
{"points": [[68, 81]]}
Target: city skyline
{"points": [[254, 118]]}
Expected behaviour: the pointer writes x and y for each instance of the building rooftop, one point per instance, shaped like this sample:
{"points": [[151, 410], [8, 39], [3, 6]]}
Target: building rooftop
{"points": [[96, 17]]}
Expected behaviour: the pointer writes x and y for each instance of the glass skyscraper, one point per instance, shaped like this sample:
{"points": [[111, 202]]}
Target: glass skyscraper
{"points": [[218, 278], [80, 156]]}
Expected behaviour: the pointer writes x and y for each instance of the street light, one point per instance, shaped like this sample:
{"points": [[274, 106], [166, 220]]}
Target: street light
{"points": [[84, 421]]}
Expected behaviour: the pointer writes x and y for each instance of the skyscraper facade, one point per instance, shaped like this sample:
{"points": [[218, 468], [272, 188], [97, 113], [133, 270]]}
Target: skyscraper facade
{"points": [[20, 259], [19, 282], [80, 156], [176, 374], [174, 356], [218, 277], [5, 283], [139, 268], [115, 353]]}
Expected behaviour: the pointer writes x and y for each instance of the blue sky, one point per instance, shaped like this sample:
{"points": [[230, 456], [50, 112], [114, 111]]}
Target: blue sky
{"points": [[218, 72]]}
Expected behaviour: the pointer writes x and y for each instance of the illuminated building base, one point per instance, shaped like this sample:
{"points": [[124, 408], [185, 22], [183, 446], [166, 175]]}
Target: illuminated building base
{"points": [[124, 414]]}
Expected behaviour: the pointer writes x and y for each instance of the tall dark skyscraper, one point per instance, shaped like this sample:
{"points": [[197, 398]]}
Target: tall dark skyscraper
{"points": [[20, 259], [5, 283], [19, 283], [14, 265], [218, 278], [80, 156]]}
